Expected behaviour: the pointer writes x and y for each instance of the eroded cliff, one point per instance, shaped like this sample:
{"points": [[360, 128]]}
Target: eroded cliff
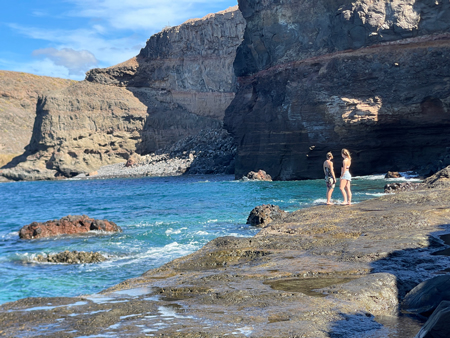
{"points": [[19, 94], [371, 76], [179, 85]]}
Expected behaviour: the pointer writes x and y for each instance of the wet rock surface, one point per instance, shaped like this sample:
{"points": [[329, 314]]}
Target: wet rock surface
{"points": [[69, 225], [326, 271], [71, 257]]}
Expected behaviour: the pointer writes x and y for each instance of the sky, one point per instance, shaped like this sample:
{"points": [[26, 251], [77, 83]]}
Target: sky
{"points": [[66, 38]]}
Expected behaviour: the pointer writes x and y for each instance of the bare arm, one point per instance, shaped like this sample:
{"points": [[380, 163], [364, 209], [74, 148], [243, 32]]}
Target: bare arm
{"points": [[332, 171]]}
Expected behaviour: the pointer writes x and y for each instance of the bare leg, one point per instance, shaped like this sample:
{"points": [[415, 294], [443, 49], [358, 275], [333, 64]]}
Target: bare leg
{"points": [[342, 185], [329, 192], [349, 193]]}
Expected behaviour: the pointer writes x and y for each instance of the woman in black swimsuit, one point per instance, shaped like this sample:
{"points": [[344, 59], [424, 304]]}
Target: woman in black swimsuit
{"points": [[330, 178]]}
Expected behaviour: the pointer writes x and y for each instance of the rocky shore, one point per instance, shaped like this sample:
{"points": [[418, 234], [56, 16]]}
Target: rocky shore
{"points": [[325, 271], [211, 151]]}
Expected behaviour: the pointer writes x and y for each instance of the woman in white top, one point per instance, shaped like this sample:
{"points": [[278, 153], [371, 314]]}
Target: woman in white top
{"points": [[346, 178]]}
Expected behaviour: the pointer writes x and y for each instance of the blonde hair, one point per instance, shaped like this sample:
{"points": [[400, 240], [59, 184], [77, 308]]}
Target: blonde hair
{"points": [[329, 155], [345, 152]]}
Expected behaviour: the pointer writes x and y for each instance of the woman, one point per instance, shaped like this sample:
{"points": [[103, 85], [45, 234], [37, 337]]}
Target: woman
{"points": [[330, 178], [346, 178]]}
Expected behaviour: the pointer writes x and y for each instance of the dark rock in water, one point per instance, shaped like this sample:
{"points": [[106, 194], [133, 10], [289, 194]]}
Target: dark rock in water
{"points": [[405, 186], [67, 225], [74, 257], [260, 175], [426, 296], [393, 174], [438, 325], [316, 76], [262, 215], [439, 180]]}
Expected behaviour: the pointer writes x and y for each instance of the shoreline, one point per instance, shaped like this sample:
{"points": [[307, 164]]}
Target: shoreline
{"points": [[384, 244]]}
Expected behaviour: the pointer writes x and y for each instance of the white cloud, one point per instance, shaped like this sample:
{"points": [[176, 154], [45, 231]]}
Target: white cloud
{"points": [[108, 51], [114, 32], [45, 67], [77, 62], [150, 15]]}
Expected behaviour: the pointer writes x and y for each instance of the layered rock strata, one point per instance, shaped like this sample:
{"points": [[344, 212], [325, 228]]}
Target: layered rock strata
{"points": [[69, 225], [19, 94], [211, 151], [179, 85], [370, 76], [326, 271]]}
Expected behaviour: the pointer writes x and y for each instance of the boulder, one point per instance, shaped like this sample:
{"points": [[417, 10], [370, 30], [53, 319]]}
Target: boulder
{"points": [[262, 215], [439, 180], [74, 257], [426, 296], [69, 225], [393, 174], [438, 325], [260, 175]]}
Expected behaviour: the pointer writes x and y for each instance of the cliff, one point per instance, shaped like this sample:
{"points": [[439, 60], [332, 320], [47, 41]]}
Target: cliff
{"points": [[370, 76], [19, 94], [179, 85]]}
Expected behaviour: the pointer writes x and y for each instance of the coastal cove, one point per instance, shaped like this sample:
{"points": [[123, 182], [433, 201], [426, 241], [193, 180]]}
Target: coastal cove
{"points": [[162, 219]]}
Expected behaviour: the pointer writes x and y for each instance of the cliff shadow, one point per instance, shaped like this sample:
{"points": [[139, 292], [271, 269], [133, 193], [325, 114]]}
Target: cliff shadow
{"points": [[410, 267]]}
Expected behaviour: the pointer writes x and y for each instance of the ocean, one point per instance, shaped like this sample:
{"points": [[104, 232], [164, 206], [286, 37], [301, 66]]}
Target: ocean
{"points": [[162, 219]]}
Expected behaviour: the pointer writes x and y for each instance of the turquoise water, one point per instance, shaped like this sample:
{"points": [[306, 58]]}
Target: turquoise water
{"points": [[161, 218]]}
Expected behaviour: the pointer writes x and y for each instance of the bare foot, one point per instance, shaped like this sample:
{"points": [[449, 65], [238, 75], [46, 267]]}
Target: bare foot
{"points": [[330, 203]]}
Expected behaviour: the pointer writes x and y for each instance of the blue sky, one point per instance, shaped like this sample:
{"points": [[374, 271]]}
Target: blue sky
{"points": [[65, 38]]}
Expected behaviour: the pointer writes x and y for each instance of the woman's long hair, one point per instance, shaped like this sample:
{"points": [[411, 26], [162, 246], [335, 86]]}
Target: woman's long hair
{"points": [[345, 152]]}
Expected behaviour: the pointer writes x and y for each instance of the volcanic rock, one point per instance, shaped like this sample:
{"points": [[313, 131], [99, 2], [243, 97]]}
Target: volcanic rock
{"points": [[179, 85], [19, 94], [264, 214], [404, 186], [69, 225], [438, 325], [260, 175], [314, 77], [426, 296], [74, 257], [439, 180], [392, 174]]}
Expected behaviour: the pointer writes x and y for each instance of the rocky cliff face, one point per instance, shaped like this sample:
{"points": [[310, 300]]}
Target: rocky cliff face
{"points": [[192, 64], [371, 76], [19, 94], [179, 84]]}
